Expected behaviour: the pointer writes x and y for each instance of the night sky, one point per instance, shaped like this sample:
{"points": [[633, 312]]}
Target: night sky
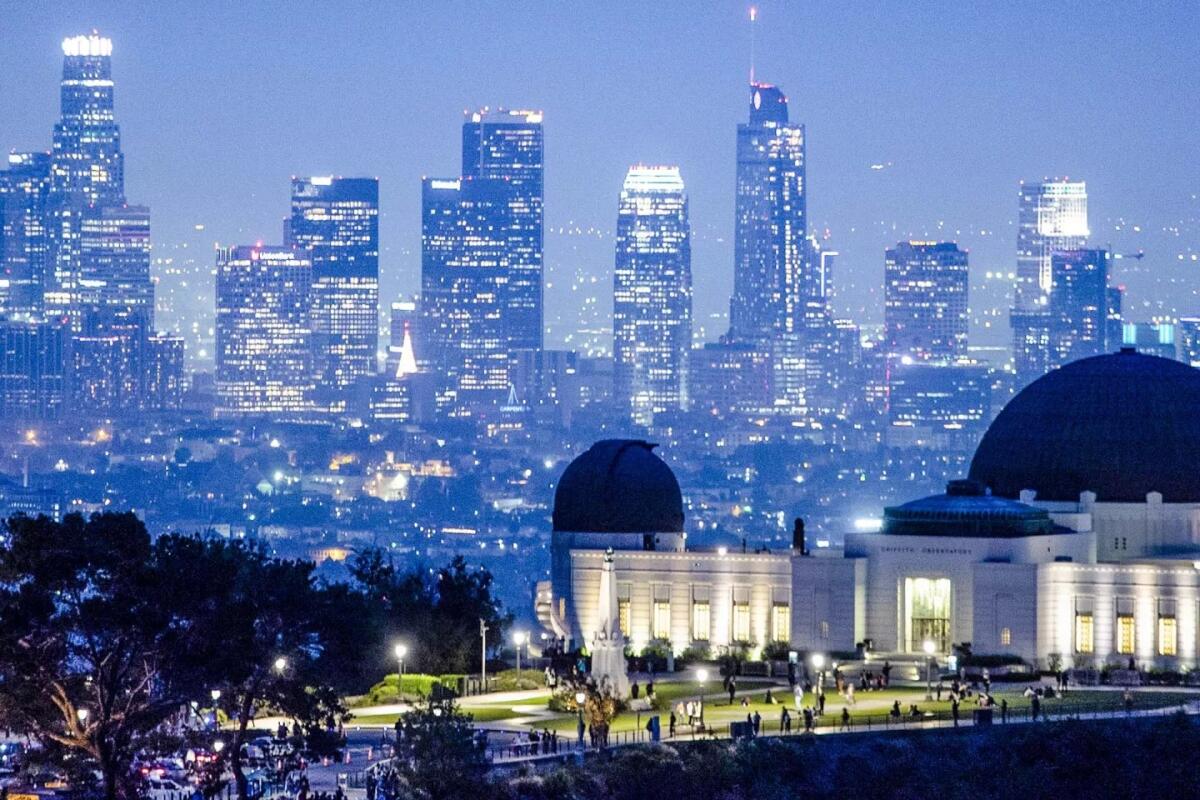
{"points": [[220, 103]]}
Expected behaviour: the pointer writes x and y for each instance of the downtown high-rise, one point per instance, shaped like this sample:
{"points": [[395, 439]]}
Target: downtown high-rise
{"points": [[1052, 216], [24, 233], [652, 294], [1078, 305], [925, 301], [481, 262], [264, 355], [336, 222], [770, 279]]}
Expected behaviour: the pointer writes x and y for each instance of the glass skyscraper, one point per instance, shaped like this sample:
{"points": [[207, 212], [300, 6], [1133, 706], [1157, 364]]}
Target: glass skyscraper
{"points": [[336, 221], [652, 294], [481, 261], [24, 233], [925, 301], [1052, 216], [506, 145], [1078, 305], [264, 357], [464, 277], [770, 280]]}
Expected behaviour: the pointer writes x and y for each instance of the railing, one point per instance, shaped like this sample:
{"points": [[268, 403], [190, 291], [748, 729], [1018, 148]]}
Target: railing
{"points": [[1050, 711]]}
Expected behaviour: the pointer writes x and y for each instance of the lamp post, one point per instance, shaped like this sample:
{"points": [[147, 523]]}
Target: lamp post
{"points": [[580, 699], [929, 647], [519, 638], [701, 679], [818, 662], [483, 629], [281, 665], [401, 650], [82, 715], [215, 694]]}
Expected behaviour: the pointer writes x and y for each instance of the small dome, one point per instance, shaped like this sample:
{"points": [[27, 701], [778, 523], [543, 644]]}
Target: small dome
{"points": [[1120, 425], [618, 486], [966, 510]]}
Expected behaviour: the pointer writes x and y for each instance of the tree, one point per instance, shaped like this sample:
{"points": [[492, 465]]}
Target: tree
{"points": [[266, 638], [436, 615], [439, 754], [88, 631]]}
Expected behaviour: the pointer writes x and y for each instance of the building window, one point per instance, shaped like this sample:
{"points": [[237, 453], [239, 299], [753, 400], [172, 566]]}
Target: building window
{"points": [[1125, 635], [741, 622], [662, 619], [700, 621], [781, 623], [623, 616], [823, 629], [1085, 626], [1005, 637], [1168, 632]]}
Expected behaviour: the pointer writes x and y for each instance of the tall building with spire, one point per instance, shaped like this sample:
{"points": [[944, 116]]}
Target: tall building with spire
{"points": [[652, 294], [770, 280], [336, 221]]}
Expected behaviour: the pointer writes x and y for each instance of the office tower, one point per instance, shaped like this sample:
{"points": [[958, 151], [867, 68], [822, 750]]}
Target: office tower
{"points": [[938, 404], [652, 294], [163, 382], [1112, 328], [336, 221], [106, 366], [87, 168], [24, 235], [506, 146], [32, 377], [1052, 216], [770, 278], [464, 275], [1153, 338], [925, 301], [730, 377], [114, 266], [405, 393], [1189, 340], [1078, 305], [263, 336]]}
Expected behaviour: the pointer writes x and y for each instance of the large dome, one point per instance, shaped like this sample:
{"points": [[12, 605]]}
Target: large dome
{"points": [[1119, 425], [618, 486]]}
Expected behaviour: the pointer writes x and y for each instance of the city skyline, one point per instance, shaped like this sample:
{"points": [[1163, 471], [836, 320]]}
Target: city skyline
{"points": [[865, 209]]}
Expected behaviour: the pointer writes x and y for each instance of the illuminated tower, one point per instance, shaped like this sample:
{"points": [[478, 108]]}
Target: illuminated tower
{"points": [[652, 294], [1052, 217], [336, 221], [925, 301], [263, 335], [771, 281], [506, 145], [24, 233]]}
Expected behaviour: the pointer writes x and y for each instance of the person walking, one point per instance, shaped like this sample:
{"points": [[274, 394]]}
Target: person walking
{"points": [[845, 718], [785, 721], [757, 723], [1003, 710], [671, 726], [808, 720], [1035, 707], [732, 688], [821, 704], [954, 710]]}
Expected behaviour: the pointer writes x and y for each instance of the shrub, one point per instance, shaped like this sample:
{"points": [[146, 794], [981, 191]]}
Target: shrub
{"points": [[696, 651], [511, 681], [776, 651]]}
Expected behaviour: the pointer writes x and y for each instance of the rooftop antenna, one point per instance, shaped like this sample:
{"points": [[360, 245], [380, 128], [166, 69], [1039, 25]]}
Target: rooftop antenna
{"points": [[753, 18]]}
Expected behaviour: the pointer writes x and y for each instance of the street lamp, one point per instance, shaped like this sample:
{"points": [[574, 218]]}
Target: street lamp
{"points": [[218, 746], [280, 664], [215, 694], [818, 662], [82, 714], [929, 647], [580, 699], [701, 679], [401, 650], [519, 639]]}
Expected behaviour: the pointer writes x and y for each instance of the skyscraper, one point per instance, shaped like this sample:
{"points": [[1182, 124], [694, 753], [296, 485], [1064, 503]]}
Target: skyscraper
{"points": [[263, 338], [87, 167], [506, 145], [771, 282], [336, 220], [24, 232], [114, 266], [652, 294], [464, 277], [925, 301], [32, 377], [1052, 216], [1078, 305]]}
